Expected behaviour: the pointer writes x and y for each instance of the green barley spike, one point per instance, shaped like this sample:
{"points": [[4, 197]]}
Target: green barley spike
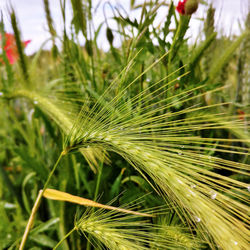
{"points": [[79, 19], [209, 23], [209, 30], [19, 45], [49, 20], [51, 27]]}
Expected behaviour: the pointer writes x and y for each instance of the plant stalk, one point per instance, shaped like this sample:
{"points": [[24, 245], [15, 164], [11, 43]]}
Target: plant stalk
{"points": [[98, 180], [96, 194], [64, 238], [173, 45], [38, 201]]}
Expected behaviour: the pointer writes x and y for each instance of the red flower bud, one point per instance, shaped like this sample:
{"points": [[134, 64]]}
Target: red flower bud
{"points": [[187, 7]]}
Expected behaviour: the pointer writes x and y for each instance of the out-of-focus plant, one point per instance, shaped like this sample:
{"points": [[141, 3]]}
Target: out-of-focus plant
{"points": [[147, 120]]}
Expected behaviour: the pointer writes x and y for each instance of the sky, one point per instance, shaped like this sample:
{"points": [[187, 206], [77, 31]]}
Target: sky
{"points": [[32, 22]]}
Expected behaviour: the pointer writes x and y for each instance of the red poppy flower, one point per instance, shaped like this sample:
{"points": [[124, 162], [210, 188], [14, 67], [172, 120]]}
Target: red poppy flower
{"points": [[187, 7], [181, 7], [10, 47]]}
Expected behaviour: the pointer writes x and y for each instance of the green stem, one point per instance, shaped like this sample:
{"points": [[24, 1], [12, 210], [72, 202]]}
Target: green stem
{"points": [[64, 238], [88, 247], [173, 45], [98, 180], [63, 153], [96, 194], [38, 201]]}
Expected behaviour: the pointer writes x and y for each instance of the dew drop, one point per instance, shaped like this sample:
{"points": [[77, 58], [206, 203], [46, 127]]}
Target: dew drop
{"points": [[193, 186], [248, 188], [182, 146], [35, 102], [180, 153], [1, 93], [235, 243], [9, 205], [197, 219], [8, 236], [213, 195]]}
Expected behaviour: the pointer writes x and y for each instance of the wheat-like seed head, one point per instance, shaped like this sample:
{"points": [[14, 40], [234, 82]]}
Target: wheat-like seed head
{"points": [[168, 148], [115, 231]]}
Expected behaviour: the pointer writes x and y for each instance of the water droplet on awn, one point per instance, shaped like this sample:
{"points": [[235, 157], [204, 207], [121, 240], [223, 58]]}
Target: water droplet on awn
{"points": [[213, 195], [197, 219]]}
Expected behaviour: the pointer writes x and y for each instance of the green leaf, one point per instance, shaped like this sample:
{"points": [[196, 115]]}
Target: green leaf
{"points": [[30, 162], [132, 3], [139, 181], [45, 226], [115, 188], [85, 182], [168, 20], [43, 240], [26, 201]]}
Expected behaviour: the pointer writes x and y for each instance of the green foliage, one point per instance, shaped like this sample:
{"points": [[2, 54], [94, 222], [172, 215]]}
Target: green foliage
{"points": [[148, 119]]}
